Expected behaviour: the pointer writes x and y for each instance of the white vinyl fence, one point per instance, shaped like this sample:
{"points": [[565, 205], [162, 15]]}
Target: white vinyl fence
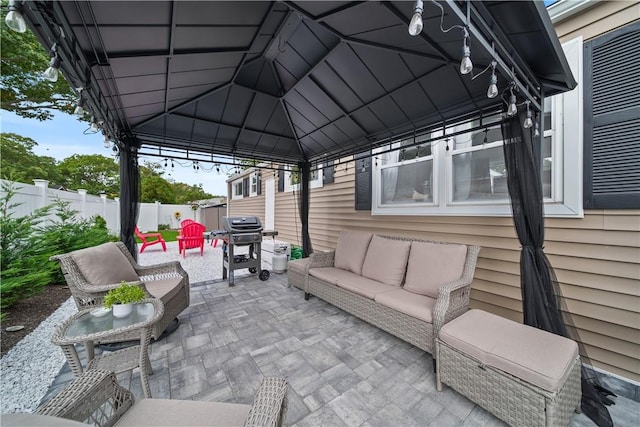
{"points": [[31, 197]]}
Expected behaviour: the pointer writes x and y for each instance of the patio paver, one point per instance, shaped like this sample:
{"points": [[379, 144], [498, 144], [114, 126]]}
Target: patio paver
{"points": [[341, 370]]}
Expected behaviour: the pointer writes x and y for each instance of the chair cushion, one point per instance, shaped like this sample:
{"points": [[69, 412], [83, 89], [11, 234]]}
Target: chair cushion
{"points": [[431, 265], [533, 355], [351, 250], [165, 412], [298, 264], [362, 286], [418, 306], [330, 274], [36, 420], [164, 289], [104, 265], [386, 260]]}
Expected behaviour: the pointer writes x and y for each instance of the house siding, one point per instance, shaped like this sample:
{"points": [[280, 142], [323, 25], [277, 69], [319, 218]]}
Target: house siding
{"points": [[596, 258]]}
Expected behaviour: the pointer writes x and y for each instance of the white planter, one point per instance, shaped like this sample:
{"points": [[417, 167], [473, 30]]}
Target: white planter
{"points": [[122, 310]]}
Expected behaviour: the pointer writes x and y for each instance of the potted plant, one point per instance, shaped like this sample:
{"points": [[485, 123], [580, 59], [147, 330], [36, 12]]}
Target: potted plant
{"points": [[122, 298]]}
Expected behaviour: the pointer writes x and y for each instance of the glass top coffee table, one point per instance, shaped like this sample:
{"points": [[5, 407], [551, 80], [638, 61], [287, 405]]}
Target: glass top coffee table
{"points": [[91, 325]]}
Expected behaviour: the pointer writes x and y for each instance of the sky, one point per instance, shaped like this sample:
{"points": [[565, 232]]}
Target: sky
{"points": [[63, 137]]}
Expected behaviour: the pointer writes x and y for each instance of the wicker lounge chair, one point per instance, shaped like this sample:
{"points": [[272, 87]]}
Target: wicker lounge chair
{"points": [[92, 272], [97, 398]]}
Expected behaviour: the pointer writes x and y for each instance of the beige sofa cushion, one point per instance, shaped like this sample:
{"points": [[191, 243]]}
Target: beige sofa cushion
{"points": [[386, 260], [331, 274], [36, 420], [535, 356], [164, 289], [363, 286], [351, 250], [418, 306], [104, 265], [433, 264], [165, 412]]}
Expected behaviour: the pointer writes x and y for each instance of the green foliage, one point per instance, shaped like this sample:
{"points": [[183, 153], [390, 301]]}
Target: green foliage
{"points": [[27, 242], [23, 257], [23, 90], [124, 294], [155, 188], [19, 163], [186, 193], [95, 173]]}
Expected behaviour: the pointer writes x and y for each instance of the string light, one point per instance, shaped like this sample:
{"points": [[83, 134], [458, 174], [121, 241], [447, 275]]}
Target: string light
{"points": [[107, 142], [416, 25], [51, 73], [466, 66], [492, 91], [512, 110], [528, 122], [14, 18]]}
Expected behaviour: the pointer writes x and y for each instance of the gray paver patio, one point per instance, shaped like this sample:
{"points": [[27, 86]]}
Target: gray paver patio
{"points": [[341, 370]]}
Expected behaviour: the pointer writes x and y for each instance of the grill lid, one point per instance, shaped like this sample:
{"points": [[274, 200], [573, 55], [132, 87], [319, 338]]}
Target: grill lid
{"points": [[244, 224]]}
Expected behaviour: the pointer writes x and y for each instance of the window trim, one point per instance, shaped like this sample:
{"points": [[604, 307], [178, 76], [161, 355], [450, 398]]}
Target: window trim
{"points": [[313, 183], [253, 181], [234, 187]]}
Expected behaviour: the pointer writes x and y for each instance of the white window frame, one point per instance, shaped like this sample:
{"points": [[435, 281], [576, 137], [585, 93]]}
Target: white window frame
{"points": [[253, 184], [234, 188], [314, 182], [566, 193]]}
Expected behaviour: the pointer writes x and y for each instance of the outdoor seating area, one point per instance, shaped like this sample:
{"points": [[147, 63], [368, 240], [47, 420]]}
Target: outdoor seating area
{"points": [[341, 370]]}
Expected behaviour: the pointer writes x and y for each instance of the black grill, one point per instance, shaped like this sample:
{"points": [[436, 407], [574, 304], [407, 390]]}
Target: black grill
{"points": [[242, 231]]}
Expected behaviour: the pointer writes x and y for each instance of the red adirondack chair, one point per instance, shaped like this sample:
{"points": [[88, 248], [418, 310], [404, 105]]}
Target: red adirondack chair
{"points": [[146, 242], [191, 237]]}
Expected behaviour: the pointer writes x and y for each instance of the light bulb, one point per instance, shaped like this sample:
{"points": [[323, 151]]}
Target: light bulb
{"points": [[94, 125], [513, 109], [79, 111], [528, 122], [107, 143], [415, 26], [492, 91], [14, 19], [51, 73], [466, 65]]}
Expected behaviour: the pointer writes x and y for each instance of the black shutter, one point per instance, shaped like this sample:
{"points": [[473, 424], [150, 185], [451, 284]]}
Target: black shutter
{"points": [[245, 187], [281, 178], [363, 182], [327, 173], [612, 120], [259, 184]]}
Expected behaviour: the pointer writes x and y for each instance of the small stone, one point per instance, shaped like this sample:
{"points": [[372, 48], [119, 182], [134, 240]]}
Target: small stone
{"points": [[15, 328]]}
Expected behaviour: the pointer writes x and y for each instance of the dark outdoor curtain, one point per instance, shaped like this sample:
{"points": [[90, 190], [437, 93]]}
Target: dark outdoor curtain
{"points": [[540, 291], [129, 194], [305, 170]]}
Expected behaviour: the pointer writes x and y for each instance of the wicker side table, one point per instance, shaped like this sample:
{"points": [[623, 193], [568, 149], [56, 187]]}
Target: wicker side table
{"points": [[86, 328]]}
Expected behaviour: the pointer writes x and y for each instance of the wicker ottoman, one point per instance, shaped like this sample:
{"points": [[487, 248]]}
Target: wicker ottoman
{"points": [[522, 375], [296, 271]]}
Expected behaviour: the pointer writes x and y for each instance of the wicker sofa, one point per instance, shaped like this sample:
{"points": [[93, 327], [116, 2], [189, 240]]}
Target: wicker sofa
{"points": [[96, 398], [407, 287]]}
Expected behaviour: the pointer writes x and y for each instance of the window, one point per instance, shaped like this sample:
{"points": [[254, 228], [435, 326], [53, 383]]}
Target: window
{"points": [[466, 175], [292, 177], [255, 184], [237, 189]]}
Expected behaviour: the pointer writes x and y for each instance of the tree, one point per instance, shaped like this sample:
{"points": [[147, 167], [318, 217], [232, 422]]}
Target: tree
{"points": [[95, 173], [186, 193], [23, 89], [155, 188], [19, 163]]}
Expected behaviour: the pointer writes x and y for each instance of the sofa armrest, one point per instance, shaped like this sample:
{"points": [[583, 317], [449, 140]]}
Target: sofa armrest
{"points": [[270, 405], [321, 259], [95, 396], [101, 290], [165, 268], [453, 297]]}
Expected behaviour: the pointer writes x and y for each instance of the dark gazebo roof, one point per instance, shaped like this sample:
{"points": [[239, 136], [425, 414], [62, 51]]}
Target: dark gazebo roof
{"points": [[292, 81]]}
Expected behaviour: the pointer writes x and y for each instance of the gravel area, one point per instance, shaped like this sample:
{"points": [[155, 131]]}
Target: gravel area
{"points": [[30, 367]]}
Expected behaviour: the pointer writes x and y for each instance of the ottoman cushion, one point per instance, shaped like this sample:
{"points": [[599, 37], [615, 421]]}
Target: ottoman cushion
{"points": [[533, 355]]}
